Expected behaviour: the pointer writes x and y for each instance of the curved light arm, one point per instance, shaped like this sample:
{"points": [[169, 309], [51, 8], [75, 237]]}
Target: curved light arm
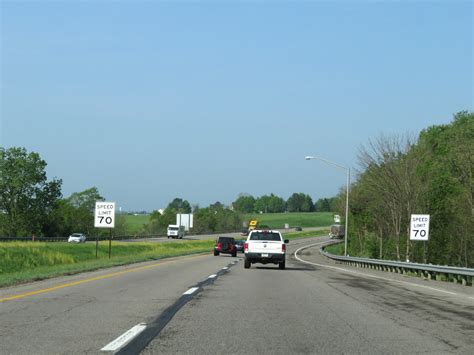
{"points": [[309, 157]]}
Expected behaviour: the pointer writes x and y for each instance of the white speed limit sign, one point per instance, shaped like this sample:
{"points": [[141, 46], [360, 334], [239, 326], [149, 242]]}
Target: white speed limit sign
{"points": [[104, 215], [419, 226]]}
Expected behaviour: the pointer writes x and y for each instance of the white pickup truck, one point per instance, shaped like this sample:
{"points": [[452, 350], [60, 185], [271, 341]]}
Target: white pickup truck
{"points": [[265, 246], [175, 231]]}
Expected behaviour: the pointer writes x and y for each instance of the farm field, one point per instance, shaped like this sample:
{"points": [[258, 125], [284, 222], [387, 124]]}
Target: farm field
{"points": [[295, 219], [135, 223], [273, 220]]}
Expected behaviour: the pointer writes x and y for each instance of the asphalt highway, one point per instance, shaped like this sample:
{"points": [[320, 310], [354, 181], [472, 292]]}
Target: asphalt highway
{"points": [[321, 307], [212, 305]]}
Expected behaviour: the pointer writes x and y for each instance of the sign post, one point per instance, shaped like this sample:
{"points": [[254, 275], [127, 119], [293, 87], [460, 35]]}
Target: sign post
{"points": [[419, 227], [105, 218]]}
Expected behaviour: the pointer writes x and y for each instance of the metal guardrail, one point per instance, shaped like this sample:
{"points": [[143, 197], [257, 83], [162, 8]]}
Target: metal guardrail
{"points": [[454, 274]]}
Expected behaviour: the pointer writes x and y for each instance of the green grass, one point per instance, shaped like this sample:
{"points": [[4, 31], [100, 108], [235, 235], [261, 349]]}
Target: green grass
{"points": [[336, 249], [303, 234], [25, 261], [135, 223], [300, 219]]}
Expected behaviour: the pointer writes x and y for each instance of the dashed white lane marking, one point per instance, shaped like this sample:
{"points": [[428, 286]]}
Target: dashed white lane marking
{"points": [[124, 338], [212, 276], [225, 268], [191, 291], [372, 276]]}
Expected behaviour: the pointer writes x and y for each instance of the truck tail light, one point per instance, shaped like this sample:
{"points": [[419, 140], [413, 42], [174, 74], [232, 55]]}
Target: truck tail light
{"points": [[246, 246], [283, 248], [219, 246]]}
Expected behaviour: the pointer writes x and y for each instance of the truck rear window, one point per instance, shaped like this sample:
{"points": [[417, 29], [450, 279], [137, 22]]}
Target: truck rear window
{"points": [[273, 236], [173, 228]]}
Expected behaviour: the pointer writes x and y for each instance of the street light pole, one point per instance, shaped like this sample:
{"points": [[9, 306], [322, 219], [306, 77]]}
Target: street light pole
{"points": [[347, 210], [348, 171]]}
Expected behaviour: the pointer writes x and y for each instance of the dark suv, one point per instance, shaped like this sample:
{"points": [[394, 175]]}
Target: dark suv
{"points": [[225, 245]]}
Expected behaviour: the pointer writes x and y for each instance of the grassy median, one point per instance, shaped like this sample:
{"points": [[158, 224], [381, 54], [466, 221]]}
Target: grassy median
{"points": [[27, 261], [306, 234]]}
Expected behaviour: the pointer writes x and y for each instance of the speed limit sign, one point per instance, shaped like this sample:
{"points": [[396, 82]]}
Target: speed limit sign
{"points": [[419, 227], [104, 215]]}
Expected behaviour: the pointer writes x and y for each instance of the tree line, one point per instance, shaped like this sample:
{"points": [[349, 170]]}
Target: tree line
{"points": [[297, 202], [218, 218], [403, 175]]}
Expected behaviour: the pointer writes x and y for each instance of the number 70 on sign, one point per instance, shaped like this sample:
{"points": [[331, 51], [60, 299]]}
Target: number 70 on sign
{"points": [[419, 226], [104, 215]]}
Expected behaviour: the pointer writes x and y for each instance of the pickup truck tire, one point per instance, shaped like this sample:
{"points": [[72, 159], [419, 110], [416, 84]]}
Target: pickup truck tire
{"points": [[247, 264], [234, 254], [216, 253], [281, 265]]}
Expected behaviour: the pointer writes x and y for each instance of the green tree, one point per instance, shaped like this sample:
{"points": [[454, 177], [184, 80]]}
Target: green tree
{"points": [[216, 205], [180, 205], [84, 204], [300, 202], [244, 204], [432, 175], [448, 174], [392, 174], [322, 205], [159, 222], [276, 204], [216, 219], [26, 197], [76, 214]]}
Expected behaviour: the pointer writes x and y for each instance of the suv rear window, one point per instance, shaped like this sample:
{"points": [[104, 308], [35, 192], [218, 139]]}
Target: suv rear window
{"points": [[273, 236], [226, 240]]}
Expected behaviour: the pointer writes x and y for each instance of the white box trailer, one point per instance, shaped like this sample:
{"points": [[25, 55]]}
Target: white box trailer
{"points": [[185, 219]]}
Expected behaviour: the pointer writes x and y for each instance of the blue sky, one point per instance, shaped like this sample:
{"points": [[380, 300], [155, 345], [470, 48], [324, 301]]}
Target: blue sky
{"points": [[149, 101]]}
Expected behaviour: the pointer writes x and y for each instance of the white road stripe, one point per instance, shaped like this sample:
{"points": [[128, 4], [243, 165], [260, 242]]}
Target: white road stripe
{"points": [[225, 268], [212, 276], [372, 276], [124, 338], [191, 291]]}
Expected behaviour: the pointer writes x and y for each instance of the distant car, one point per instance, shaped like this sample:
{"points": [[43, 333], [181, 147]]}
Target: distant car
{"points": [[239, 244], [225, 245], [76, 238], [298, 229]]}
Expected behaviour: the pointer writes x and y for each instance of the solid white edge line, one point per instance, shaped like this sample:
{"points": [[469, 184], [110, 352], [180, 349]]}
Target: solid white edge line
{"points": [[124, 338], [372, 276], [191, 291], [212, 276]]}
